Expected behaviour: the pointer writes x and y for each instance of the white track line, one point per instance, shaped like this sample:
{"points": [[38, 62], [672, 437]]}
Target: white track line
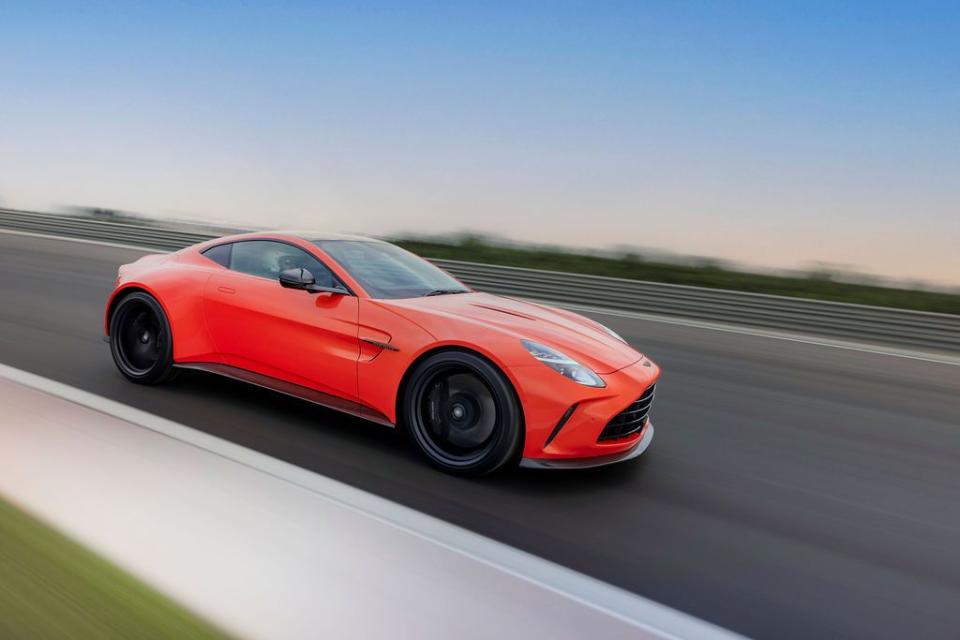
{"points": [[771, 334], [646, 615]]}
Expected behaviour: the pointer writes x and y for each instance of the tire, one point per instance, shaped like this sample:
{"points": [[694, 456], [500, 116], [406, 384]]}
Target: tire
{"points": [[462, 413], [140, 340]]}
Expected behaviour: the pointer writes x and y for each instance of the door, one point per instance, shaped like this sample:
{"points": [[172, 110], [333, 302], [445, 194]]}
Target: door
{"points": [[289, 334]]}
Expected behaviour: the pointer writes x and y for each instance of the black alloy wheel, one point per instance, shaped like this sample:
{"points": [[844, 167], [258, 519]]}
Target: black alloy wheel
{"points": [[463, 414], [140, 340]]}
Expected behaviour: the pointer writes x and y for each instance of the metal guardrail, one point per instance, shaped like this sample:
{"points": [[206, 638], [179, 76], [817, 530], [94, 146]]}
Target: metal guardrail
{"points": [[851, 321], [140, 235]]}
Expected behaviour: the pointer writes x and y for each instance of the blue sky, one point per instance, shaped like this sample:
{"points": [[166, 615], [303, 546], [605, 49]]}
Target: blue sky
{"points": [[776, 134]]}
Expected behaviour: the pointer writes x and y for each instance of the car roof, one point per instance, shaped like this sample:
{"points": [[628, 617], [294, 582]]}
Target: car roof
{"points": [[307, 236], [320, 236]]}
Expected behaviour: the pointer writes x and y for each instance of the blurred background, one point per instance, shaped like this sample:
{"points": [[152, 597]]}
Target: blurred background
{"points": [[815, 135], [804, 478]]}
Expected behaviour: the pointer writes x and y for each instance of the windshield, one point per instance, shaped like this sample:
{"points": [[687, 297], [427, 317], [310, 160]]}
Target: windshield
{"points": [[387, 271]]}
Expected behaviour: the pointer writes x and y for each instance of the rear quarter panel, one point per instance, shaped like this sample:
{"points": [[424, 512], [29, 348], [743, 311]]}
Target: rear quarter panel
{"points": [[176, 281]]}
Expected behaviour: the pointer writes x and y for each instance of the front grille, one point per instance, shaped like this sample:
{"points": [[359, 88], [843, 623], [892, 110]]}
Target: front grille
{"points": [[630, 420]]}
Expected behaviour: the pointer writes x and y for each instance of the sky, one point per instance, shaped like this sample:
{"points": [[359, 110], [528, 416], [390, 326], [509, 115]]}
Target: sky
{"points": [[772, 134]]}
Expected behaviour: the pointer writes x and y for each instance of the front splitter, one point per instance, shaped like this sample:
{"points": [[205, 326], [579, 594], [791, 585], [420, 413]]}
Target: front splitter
{"points": [[597, 461]]}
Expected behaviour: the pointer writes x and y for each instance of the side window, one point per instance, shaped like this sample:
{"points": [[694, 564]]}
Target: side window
{"points": [[219, 254], [267, 259]]}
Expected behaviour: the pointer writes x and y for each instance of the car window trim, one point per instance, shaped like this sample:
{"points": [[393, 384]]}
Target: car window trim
{"points": [[229, 245], [333, 273]]}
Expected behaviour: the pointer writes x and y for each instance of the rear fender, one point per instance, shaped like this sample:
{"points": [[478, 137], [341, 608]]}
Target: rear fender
{"points": [[180, 293]]}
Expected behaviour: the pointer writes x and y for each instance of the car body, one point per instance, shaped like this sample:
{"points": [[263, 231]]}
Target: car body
{"points": [[352, 342]]}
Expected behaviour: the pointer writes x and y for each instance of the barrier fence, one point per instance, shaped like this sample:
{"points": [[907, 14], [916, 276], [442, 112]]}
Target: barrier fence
{"points": [[857, 322]]}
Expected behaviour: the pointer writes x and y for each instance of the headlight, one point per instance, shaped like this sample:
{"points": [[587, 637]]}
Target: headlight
{"points": [[562, 364]]}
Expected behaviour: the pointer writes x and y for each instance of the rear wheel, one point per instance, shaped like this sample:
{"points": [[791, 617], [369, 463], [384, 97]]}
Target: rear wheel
{"points": [[462, 414], [140, 340]]}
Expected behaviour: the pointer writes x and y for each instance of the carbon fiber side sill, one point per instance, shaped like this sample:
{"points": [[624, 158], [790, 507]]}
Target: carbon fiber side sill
{"points": [[288, 388]]}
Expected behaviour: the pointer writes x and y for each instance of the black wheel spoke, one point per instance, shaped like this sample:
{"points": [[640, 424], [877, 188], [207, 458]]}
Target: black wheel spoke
{"points": [[139, 339], [443, 403], [459, 415]]}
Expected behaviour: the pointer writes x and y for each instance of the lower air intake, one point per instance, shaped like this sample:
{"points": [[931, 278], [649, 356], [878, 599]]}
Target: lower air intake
{"points": [[630, 420]]}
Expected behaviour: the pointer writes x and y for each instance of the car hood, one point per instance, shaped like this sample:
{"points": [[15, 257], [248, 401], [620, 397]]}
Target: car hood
{"points": [[460, 316]]}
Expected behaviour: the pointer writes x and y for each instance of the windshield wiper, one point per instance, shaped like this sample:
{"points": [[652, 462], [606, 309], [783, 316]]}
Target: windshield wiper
{"points": [[443, 292]]}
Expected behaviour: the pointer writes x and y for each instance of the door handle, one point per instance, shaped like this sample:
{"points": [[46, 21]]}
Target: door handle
{"points": [[230, 290]]}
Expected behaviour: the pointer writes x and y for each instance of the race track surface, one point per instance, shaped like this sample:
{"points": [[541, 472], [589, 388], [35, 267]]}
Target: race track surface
{"points": [[792, 490]]}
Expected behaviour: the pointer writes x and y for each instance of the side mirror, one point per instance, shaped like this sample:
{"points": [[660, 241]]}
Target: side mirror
{"points": [[298, 278], [301, 278]]}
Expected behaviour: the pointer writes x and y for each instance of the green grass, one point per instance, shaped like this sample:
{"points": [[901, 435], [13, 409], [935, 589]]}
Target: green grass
{"points": [[50, 587], [816, 286]]}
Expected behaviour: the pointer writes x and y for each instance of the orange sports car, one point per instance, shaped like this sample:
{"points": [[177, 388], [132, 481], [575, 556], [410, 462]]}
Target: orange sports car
{"points": [[477, 381]]}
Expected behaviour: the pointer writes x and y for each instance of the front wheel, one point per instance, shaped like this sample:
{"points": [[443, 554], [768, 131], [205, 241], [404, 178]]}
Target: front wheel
{"points": [[140, 340], [462, 414]]}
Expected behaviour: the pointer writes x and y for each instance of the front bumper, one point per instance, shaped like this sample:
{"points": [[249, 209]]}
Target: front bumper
{"points": [[595, 461], [547, 397]]}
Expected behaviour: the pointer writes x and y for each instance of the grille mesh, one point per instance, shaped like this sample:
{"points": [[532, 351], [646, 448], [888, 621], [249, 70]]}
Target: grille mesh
{"points": [[630, 420]]}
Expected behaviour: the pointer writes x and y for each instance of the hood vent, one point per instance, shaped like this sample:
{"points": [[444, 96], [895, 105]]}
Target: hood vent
{"points": [[508, 312]]}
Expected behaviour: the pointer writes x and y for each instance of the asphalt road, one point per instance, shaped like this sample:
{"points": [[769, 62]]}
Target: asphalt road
{"points": [[792, 490]]}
